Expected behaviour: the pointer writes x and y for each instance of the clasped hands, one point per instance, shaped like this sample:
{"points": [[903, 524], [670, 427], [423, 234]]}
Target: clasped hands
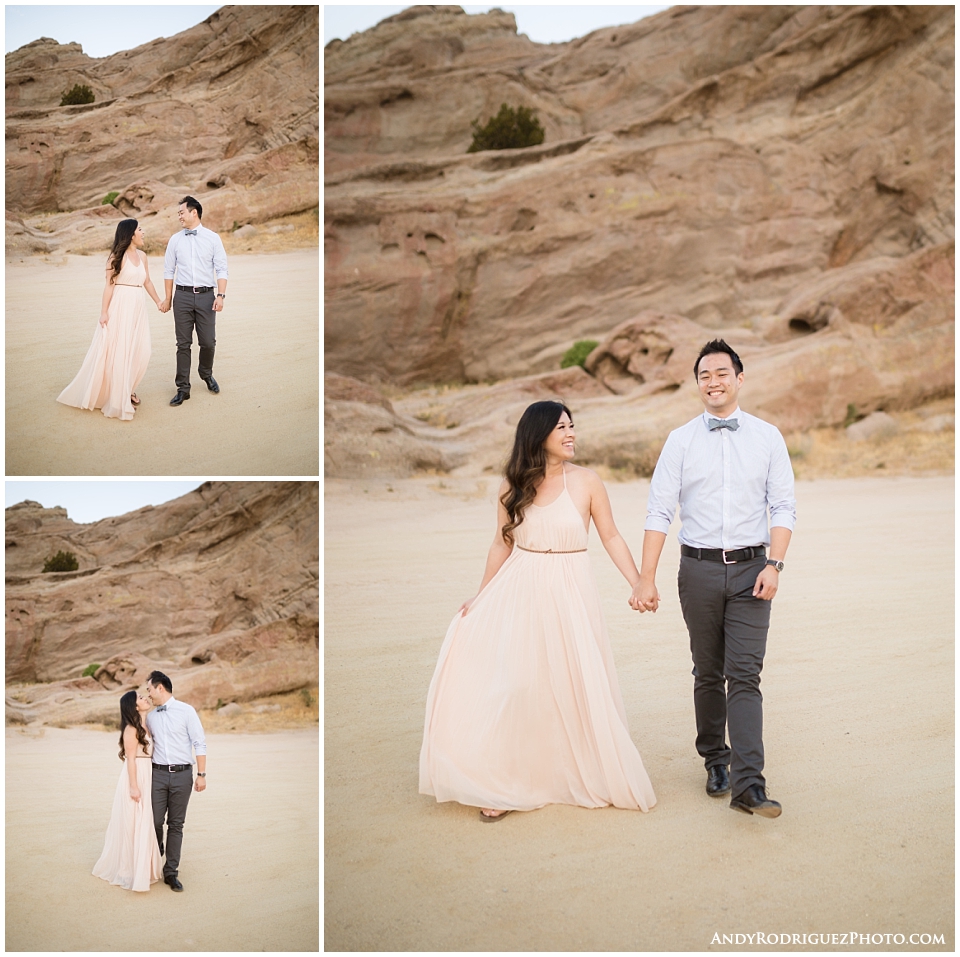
{"points": [[163, 305], [644, 597]]}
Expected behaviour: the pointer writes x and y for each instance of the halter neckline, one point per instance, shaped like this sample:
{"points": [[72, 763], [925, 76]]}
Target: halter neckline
{"points": [[560, 496]]}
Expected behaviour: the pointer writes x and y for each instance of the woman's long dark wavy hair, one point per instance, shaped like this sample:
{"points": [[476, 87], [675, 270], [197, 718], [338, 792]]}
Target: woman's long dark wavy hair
{"points": [[121, 243], [528, 462], [130, 715]]}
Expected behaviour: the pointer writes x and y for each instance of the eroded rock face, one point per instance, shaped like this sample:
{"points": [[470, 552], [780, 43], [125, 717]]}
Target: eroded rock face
{"points": [[225, 111], [219, 589], [713, 163]]}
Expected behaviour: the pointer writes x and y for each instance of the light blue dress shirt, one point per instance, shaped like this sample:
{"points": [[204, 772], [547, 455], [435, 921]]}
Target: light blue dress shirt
{"points": [[725, 482], [174, 731], [195, 260]]}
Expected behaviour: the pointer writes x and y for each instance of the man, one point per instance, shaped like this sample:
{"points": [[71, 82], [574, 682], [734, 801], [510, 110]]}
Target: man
{"points": [[196, 259], [726, 469], [174, 727]]}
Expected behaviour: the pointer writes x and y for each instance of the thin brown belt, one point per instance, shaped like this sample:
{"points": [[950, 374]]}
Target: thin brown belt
{"points": [[552, 551], [135, 285]]}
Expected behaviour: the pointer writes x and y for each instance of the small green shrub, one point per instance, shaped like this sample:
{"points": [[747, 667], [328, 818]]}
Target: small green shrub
{"points": [[307, 697], [79, 94], [577, 354], [89, 671], [109, 198], [852, 415], [509, 130], [61, 562]]}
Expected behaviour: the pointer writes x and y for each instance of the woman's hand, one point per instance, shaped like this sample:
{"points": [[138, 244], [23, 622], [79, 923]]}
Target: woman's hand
{"points": [[465, 607], [135, 793], [103, 318]]}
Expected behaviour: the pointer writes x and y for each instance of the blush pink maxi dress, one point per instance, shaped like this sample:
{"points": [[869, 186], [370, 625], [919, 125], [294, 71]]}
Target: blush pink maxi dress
{"points": [[131, 855], [120, 352], [524, 708]]}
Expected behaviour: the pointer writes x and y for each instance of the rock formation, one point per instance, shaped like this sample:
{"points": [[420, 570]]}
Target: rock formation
{"points": [[226, 111], [783, 174], [219, 589]]}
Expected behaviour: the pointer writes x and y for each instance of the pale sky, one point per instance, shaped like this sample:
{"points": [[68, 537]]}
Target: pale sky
{"points": [[89, 501], [100, 30], [541, 22]]}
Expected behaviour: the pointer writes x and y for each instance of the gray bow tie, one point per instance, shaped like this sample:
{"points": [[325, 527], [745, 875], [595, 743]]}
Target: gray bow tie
{"points": [[731, 424], [189, 232], [162, 707]]}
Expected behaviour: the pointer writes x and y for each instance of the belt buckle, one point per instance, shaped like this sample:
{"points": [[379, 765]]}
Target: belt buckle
{"points": [[723, 554], [196, 290]]}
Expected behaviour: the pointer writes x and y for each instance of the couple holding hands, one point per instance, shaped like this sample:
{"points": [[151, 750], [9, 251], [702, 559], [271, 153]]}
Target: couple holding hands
{"points": [[117, 359], [524, 708]]}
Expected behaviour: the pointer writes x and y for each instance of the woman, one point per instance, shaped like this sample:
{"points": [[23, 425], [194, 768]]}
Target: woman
{"points": [[117, 358], [524, 708], [131, 855]]}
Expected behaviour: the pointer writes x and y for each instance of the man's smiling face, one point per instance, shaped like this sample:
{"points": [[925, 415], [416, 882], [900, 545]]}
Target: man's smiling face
{"points": [[719, 384], [188, 217]]}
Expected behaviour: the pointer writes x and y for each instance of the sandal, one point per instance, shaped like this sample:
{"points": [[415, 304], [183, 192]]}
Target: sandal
{"points": [[134, 398], [489, 818]]}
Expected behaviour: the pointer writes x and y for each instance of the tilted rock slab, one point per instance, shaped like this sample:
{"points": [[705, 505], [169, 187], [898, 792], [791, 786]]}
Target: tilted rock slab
{"points": [[877, 335], [708, 162], [222, 581], [226, 111]]}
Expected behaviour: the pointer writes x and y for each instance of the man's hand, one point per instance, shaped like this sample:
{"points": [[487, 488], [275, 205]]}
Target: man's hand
{"points": [[767, 583], [164, 305], [644, 597], [199, 783], [217, 304]]}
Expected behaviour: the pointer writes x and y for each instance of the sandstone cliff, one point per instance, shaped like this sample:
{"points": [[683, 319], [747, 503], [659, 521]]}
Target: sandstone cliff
{"points": [[782, 171], [226, 111], [219, 589]]}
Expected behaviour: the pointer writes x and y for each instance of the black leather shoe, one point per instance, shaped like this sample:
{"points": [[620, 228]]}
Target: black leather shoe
{"points": [[212, 384], [175, 885], [180, 398], [718, 781], [755, 801]]}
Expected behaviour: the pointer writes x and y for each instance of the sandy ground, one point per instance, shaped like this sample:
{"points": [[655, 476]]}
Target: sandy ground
{"points": [[859, 693], [265, 421], [249, 864]]}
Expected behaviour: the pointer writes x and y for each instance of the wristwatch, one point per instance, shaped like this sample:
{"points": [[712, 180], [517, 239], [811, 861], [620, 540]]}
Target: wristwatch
{"points": [[778, 565], [201, 774], [221, 295]]}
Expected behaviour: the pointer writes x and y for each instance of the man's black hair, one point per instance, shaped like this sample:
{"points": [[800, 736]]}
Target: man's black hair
{"points": [[714, 346], [159, 678], [192, 204]]}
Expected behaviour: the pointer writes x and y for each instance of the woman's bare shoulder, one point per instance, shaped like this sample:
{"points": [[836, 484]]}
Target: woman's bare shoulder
{"points": [[580, 473]]}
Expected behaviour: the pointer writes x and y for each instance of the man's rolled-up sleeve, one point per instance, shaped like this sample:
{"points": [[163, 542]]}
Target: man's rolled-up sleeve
{"points": [[170, 259], [665, 487], [781, 500], [195, 730], [220, 260]]}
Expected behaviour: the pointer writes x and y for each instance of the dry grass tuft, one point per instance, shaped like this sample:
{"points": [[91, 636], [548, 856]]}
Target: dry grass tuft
{"points": [[830, 453]]}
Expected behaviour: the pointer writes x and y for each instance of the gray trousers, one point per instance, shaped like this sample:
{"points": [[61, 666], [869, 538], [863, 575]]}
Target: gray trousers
{"points": [[194, 311], [728, 639], [171, 794]]}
